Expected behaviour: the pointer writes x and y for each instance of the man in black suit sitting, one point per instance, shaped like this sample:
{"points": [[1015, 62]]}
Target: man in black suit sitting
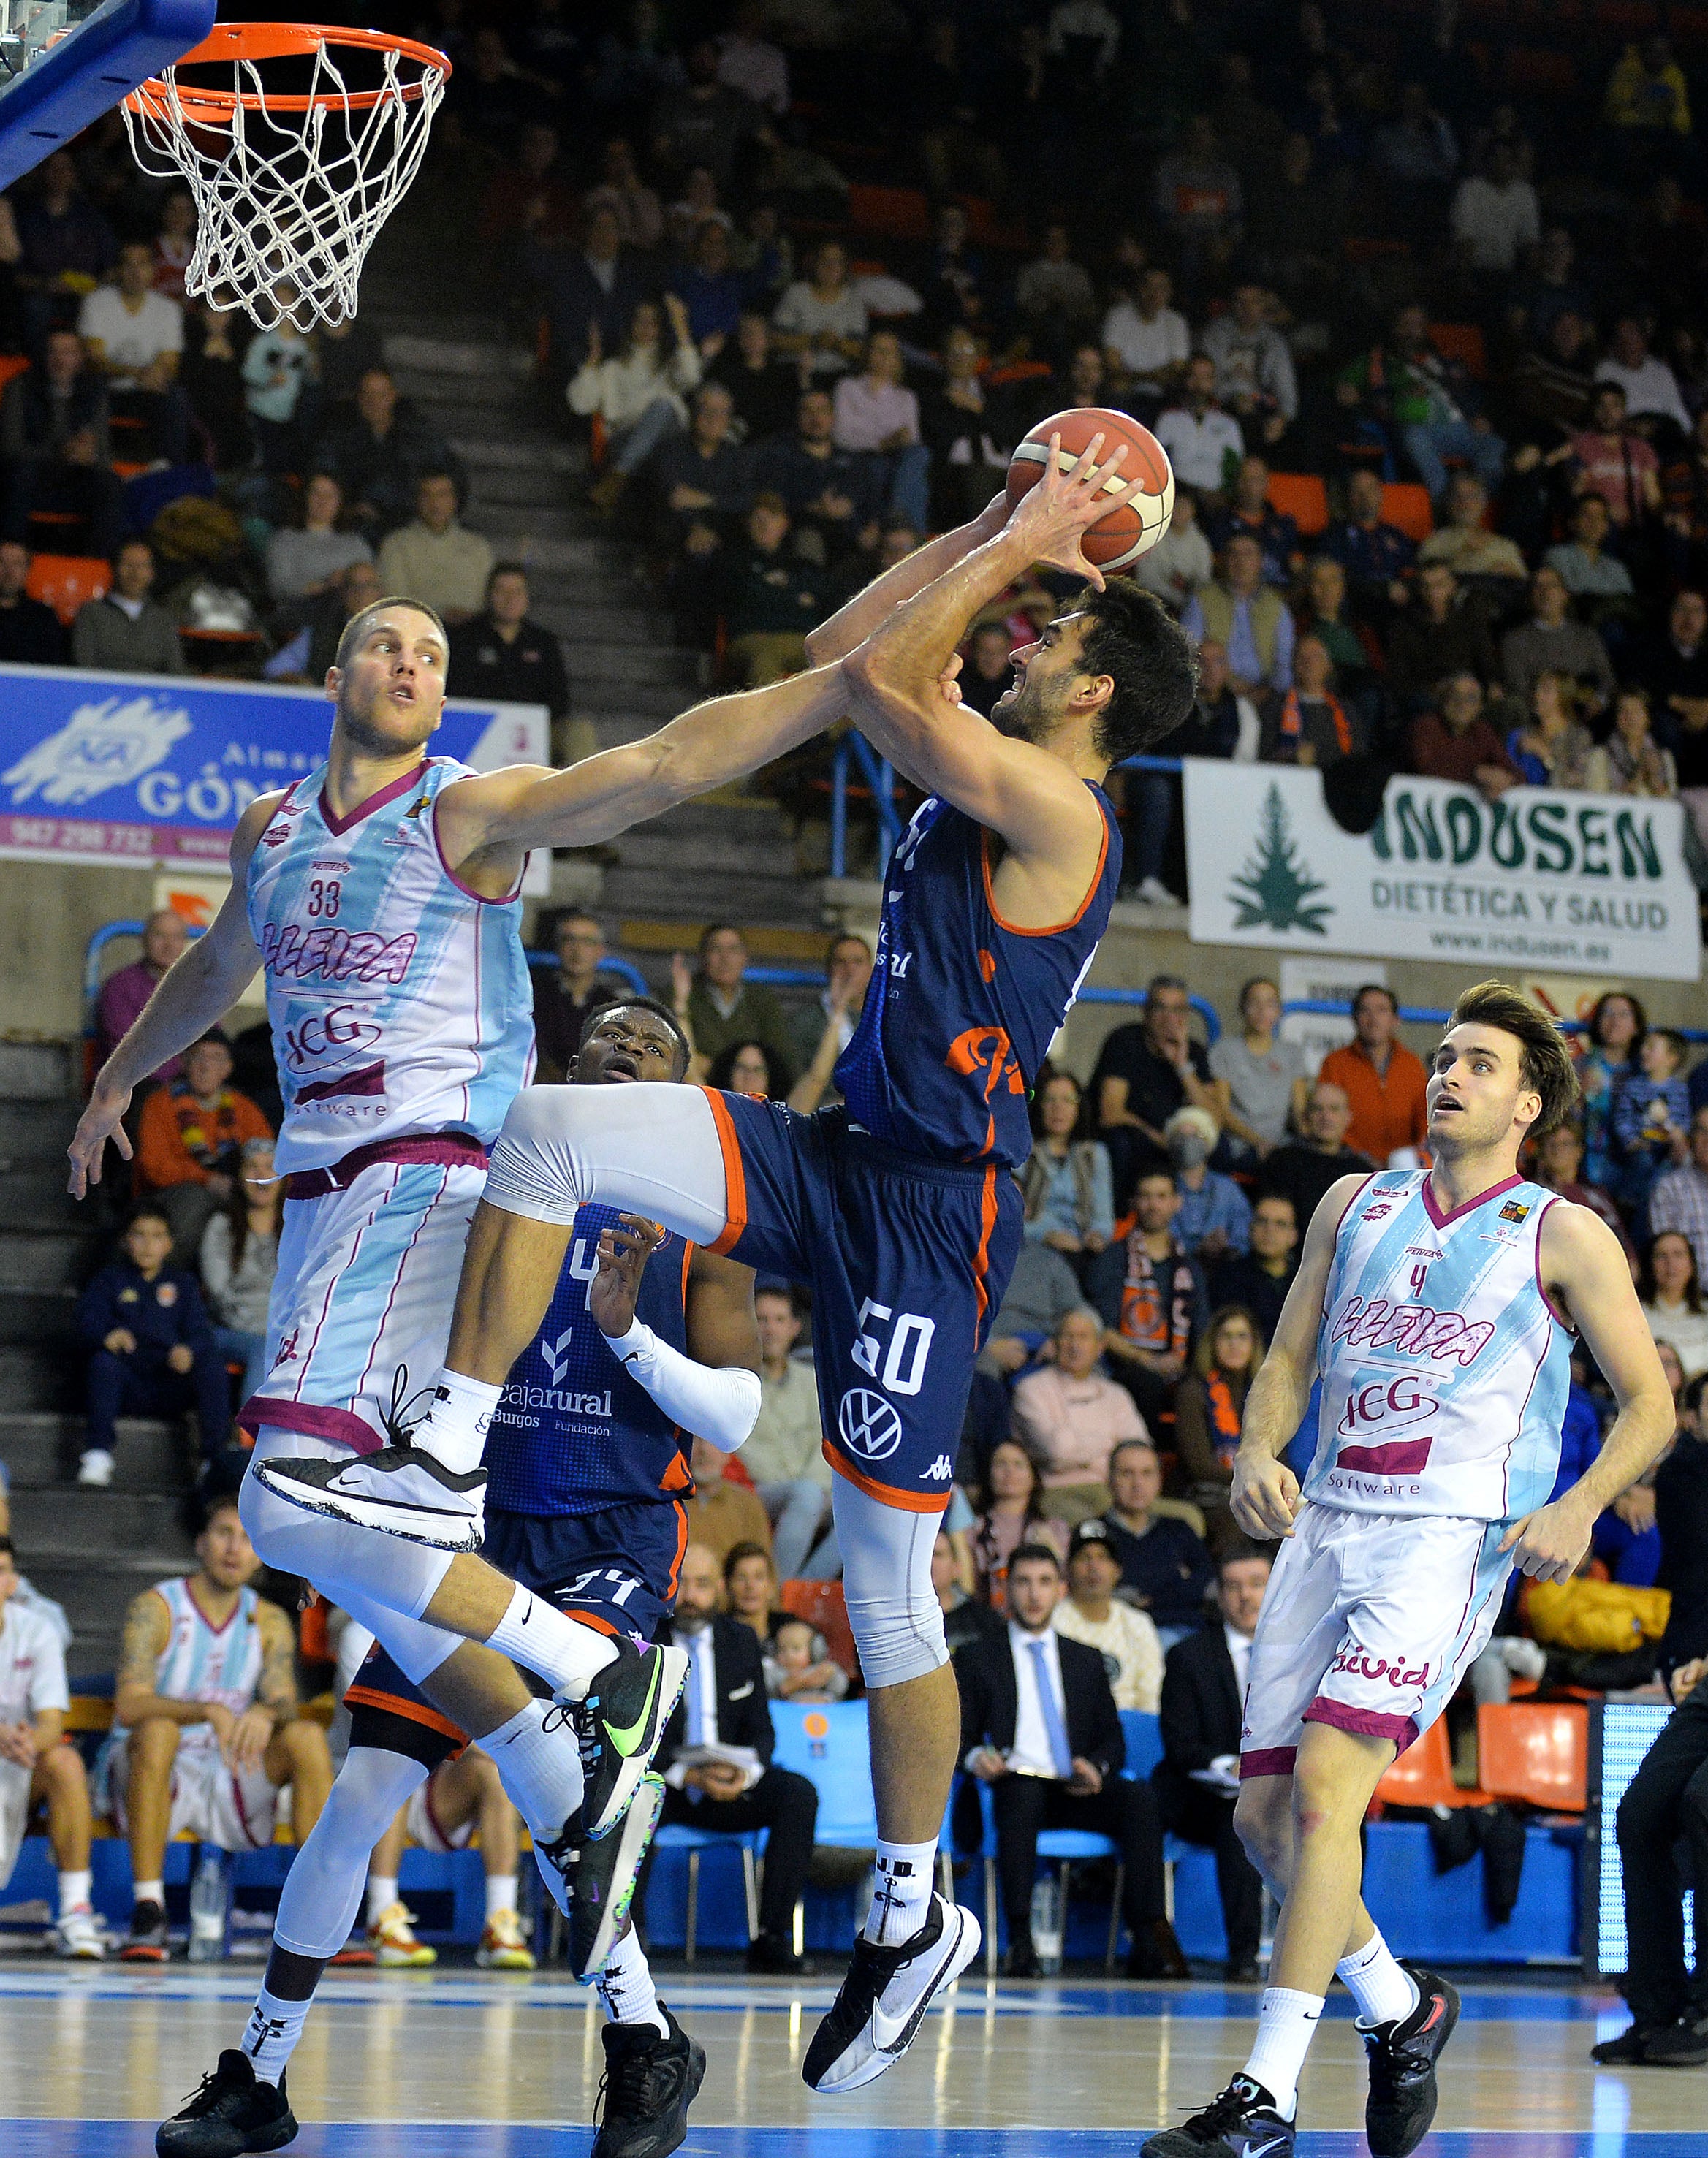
{"points": [[1197, 1778], [716, 1758], [1038, 1724]]}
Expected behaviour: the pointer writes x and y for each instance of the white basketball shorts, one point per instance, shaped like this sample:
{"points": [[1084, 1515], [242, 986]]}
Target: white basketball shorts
{"points": [[1368, 1623]]}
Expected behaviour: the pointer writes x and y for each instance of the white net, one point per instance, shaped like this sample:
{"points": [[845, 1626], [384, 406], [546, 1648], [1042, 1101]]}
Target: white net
{"points": [[290, 188]]}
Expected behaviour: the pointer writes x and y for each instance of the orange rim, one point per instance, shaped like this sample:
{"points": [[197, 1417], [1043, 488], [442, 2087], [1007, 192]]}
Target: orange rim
{"points": [[232, 42]]}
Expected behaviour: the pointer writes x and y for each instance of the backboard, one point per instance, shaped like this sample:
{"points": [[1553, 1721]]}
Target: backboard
{"points": [[63, 63]]}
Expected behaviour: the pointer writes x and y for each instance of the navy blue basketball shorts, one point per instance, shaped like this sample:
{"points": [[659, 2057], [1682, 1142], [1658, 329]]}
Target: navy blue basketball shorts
{"points": [[908, 1258]]}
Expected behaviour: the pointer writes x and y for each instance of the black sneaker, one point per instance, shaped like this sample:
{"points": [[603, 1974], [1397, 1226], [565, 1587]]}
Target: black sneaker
{"points": [[146, 1941], [1403, 2057], [1630, 2049], [602, 1884], [233, 2111], [401, 1490], [648, 2085], [619, 1725], [1680, 2045], [1243, 2123], [769, 1956], [883, 1997]]}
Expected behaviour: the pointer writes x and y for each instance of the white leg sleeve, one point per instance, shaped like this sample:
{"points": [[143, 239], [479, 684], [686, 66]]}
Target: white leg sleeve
{"points": [[323, 1892], [886, 1577], [651, 1149], [381, 1581]]}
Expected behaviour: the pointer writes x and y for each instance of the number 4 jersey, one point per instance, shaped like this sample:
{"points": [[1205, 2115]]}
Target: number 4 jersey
{"points": [[1444, 1370], [398, 998]]}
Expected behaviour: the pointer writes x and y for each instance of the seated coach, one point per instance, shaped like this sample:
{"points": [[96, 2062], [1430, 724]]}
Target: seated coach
{"points": [[1040, 1725]]}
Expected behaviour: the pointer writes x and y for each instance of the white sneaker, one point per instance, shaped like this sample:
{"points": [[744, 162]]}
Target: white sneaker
{"points": [[883, 2000], [95, 1468], [1155, 893], [401, 1490], [79, 1935]]}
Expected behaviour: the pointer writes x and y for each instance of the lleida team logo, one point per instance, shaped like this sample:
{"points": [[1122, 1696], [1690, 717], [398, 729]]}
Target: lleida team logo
{"points": [[1276, 889], [868, 1425], [100, 745]]}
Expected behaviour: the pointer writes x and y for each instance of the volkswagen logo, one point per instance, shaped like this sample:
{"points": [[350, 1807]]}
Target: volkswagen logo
{"points": [[869, 1426]]}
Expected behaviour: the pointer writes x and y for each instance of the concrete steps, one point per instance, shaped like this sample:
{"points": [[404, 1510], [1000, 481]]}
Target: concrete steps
{"points": [[38, 1448]]}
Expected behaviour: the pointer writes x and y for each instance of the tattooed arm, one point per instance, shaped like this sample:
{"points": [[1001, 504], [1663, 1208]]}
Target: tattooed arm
{"points": [[147, 1636]]}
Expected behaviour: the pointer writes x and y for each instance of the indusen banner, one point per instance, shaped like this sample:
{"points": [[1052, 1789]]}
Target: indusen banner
{"points": [[138, 768], [1582, 882]]}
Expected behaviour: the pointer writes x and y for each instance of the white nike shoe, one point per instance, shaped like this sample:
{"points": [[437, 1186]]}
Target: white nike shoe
{"points": [[1155, 893], [79, 1937], [402, 1490], [883, 2000]]}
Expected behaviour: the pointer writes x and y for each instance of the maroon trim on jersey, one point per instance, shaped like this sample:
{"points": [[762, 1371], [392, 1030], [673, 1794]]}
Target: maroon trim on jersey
{"points": [[1362, 1722], [1268, 1761], [445, 1149], [1440, 1221], [311, 1420], [337, 826]]}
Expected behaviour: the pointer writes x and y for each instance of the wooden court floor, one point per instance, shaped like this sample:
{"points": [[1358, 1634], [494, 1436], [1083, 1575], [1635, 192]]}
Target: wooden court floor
{"points": [[429, 2064]]}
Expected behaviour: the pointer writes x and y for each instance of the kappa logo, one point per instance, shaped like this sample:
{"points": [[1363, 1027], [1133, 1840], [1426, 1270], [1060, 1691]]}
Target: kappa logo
{"points": [[868, 1425], [1376, 1213], [940, 1470], [100, 746], [287, 1348]]}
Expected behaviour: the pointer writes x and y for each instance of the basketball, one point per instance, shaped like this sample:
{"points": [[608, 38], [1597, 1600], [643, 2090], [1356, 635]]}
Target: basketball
{"points": [[1117, 541]]}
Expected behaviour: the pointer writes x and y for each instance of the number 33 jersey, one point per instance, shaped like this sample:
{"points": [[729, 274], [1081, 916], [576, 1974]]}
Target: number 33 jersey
{"points": [[1444, 1370], [398, 998]]}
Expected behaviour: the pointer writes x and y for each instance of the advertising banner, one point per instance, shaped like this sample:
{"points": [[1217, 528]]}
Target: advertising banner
{"points": [[133, 769], [1583, 883]]}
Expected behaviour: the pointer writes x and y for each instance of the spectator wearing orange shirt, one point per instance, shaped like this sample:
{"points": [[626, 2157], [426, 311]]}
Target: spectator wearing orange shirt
{"points": [[1381, 1077], [190, 1141]]}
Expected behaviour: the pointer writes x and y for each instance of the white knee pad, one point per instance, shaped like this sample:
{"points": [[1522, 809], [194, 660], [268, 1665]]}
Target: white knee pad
{"points": [[323, 1892], [650, 1149], [886, 1581]]}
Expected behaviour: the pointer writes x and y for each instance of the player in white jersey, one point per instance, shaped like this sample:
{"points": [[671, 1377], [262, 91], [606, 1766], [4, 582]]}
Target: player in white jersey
{"points": [[1437, 1308], [35, 1768], [380, 897]]}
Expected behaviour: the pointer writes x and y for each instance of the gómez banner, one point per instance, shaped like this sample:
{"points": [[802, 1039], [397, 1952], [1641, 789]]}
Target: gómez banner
{"points": [[1585, 883], [132, 769]]}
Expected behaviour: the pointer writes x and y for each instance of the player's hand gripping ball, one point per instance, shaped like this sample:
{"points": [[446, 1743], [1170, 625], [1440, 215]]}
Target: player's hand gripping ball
{"points": [[1143, 489]]}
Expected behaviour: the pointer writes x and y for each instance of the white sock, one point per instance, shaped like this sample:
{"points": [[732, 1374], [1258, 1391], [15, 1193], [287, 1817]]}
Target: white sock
{"points": [[540, 1770], [1384, 1993], [902, 1900], [73, 1890], [625, 1986], [1286, 2022], [454, 1429], [535, 1632], [501, 1894], [271, 2035], [382, 1894], [149, 1891]]}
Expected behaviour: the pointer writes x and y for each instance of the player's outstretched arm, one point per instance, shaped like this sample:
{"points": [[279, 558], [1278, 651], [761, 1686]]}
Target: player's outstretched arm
{"points": [[1265, 1496], [868, 611], [897, 675], [1585, 1270], [505, 813], [196, 993], [713, 1391]]}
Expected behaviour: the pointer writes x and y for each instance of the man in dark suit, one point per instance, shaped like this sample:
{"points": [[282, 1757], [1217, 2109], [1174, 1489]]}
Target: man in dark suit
{"points": [[1038, 1724], [723, 1714], [1197, 1778]]}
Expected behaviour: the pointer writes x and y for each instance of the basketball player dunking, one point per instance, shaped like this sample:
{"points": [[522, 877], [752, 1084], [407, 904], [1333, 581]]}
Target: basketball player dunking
{"points": [[901, 1210], [1438, 1306]]}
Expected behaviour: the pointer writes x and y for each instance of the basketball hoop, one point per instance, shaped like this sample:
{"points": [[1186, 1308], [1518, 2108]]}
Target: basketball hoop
{"points": [[296, 165]]}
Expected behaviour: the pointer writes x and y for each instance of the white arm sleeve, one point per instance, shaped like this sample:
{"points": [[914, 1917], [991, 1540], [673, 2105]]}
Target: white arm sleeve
{"points": [[721, 1405]]}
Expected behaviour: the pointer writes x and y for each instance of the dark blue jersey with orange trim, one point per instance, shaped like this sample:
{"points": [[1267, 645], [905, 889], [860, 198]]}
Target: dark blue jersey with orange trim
{"points": [[963, 1006], [573, 1433]]}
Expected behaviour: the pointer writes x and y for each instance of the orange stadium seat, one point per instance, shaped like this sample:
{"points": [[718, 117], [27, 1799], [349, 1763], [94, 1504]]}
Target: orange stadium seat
{"points": [[823, 1605], [1302, 497], [1462, 342], [1536, 1751], [1423, 1775], [1407, 504], [65, 581]]}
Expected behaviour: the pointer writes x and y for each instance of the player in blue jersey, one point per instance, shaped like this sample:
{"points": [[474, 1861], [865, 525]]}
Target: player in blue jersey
{"points": [[645, 1343], [900, 1210], [1438, 1306]]}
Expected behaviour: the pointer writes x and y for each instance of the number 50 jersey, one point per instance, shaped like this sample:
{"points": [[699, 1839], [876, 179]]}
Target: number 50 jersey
{"points": [[1444, 1370]]}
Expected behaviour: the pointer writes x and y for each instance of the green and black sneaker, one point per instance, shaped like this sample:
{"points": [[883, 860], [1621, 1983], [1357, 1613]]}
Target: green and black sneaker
{"points": [[618, 1727]]}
